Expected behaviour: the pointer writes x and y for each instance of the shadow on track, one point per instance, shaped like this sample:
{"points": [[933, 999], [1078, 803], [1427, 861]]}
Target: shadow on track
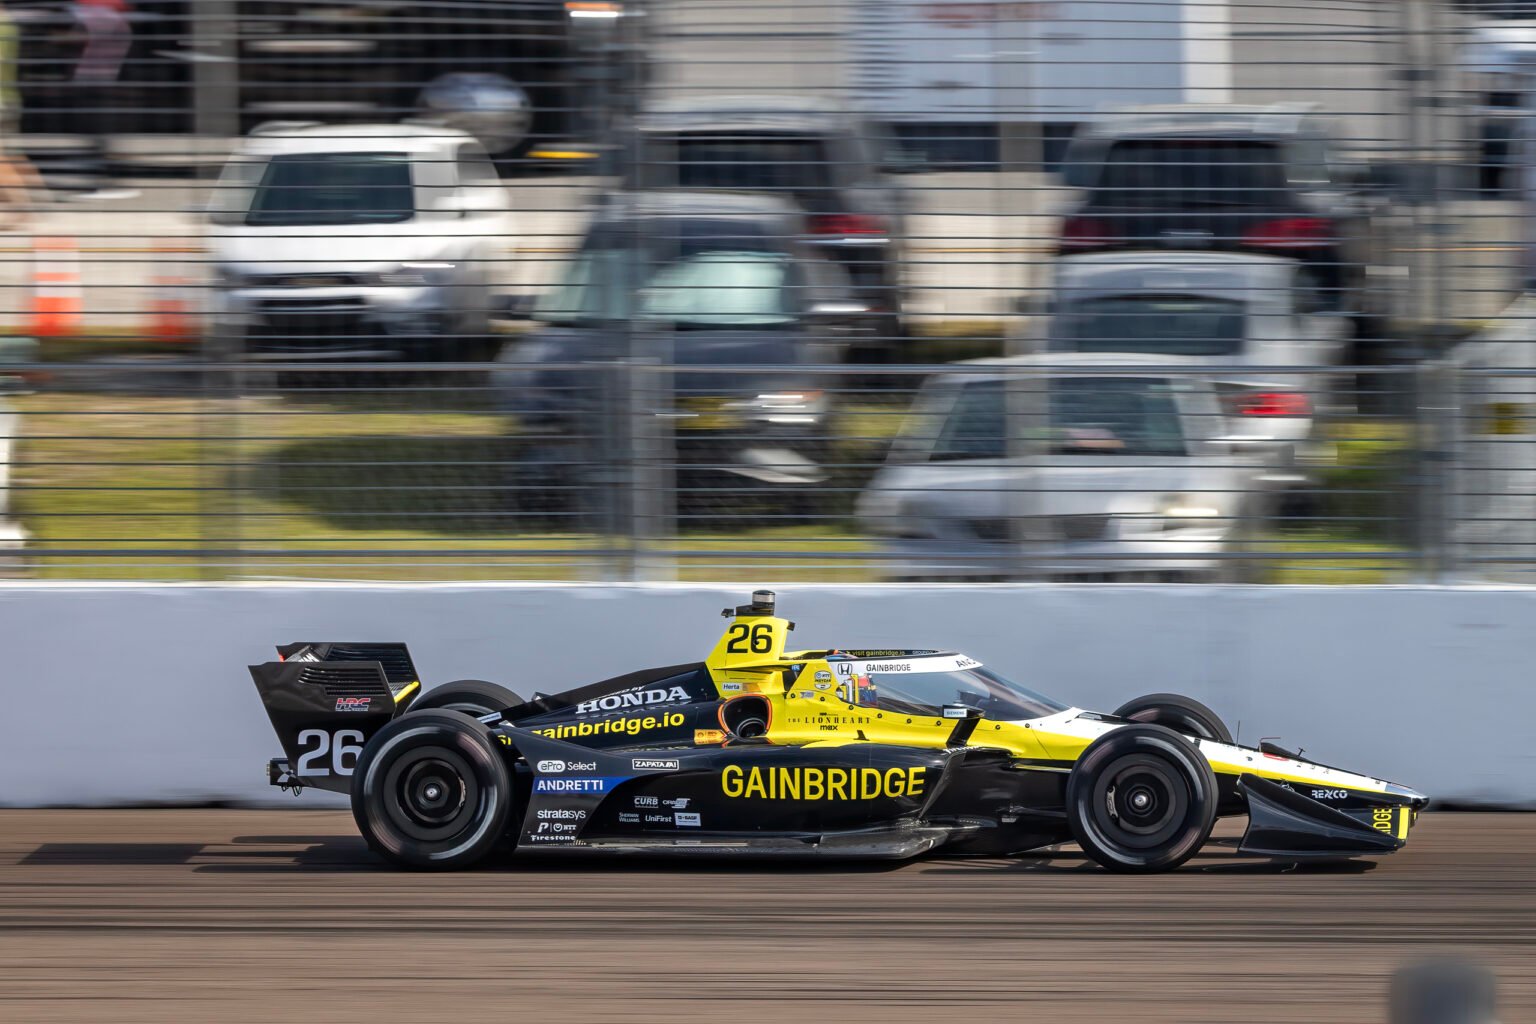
{"points": [[276, 854]]}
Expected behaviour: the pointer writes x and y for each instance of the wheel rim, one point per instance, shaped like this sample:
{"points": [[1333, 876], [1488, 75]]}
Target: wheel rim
{"points": [[1140, 802], [431, 794]]}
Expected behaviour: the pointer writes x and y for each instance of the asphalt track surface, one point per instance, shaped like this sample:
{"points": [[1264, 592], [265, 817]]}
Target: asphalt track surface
{"points": [[224, 915]]}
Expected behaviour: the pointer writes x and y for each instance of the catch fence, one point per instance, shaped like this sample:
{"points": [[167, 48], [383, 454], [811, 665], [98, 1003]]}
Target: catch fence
{"points": [[694, 290]]}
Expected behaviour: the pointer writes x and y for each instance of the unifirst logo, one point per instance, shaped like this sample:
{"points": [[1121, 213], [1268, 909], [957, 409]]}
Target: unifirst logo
{"points": [[821, 783], [632, 699]]}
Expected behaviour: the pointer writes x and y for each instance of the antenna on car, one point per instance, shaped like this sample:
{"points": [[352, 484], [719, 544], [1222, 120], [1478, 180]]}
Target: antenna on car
{"points": [[763, 602]]}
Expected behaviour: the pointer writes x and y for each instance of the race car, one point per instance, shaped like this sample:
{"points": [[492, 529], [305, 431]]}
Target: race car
{"points": [[759, 750]]}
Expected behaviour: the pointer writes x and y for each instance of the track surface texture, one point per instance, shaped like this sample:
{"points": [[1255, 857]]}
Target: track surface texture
{"points": [[221, 915]]}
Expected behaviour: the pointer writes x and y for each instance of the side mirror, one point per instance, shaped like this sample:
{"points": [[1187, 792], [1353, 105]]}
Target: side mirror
{"points": [[965, 719]]}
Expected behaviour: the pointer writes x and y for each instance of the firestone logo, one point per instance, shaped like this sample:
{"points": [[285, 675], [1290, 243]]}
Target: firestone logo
{"points": [[632, 699]]}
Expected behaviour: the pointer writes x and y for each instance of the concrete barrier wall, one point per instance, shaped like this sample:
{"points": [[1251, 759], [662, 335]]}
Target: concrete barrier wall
{"points": [[140, 694]]}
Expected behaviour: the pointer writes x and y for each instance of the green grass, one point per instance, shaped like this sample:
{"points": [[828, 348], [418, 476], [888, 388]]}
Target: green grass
{"points": [[332, 488]]}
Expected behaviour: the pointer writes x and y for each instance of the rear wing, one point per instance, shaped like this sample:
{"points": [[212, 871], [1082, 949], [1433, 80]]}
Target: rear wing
{"points": [[394, 661], [326, 700]]}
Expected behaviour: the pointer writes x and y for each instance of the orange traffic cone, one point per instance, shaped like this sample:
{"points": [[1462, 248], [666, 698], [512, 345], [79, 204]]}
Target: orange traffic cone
{"points": [[56, 295], [173, 299]]}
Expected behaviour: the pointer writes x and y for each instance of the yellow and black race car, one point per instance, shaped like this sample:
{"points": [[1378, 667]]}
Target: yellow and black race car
{"points": [[762, 751]]}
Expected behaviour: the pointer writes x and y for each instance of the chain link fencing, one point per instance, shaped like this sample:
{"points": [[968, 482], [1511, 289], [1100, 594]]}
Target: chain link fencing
{"points": [[1088, 290]]}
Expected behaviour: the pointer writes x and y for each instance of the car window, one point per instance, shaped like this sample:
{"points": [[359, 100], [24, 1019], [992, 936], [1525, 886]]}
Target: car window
{"points": [[1106, 416], [1184, 174], [333, 188], [748, 161], [719, 289], [1309, 162], [231, 198], [698, 286], [1177, 325], [1115, 416], [974, 427]]}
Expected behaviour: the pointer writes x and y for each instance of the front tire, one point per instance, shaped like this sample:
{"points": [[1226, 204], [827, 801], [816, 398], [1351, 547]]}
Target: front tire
{"points": [[432, 791], [1141, 799], [1179, 713]]}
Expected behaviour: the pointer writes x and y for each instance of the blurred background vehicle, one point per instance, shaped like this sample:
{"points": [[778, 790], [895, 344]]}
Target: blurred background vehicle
{"points": [[1261, 323], [411, 217], [1068, 467], [13, 536], [1344, 175], [507, 69], [723, 289], [1217, 177], [829, 159]]}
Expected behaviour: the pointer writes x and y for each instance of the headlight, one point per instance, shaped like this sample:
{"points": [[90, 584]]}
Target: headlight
{"points": [[418, 275], [782, 406], [1188, 512]]}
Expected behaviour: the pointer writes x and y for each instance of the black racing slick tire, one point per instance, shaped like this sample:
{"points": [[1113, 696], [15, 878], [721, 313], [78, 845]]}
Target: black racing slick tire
{"points": [[1179, 713], [473, 697], [1141, 799], [431, 791]]}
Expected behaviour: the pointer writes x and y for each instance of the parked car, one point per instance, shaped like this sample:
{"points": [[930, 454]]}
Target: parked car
{"points": [[721, 282], [1267, 179], [13, 536], [1109, 472], [1258, 322], [358, 241], [834, 162]]}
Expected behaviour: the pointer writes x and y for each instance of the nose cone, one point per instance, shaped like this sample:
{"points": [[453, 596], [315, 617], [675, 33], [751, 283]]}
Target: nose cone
{"points": [[1419, 800]]}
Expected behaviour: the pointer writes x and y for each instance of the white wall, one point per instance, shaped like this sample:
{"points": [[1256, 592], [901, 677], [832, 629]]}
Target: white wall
{"points": [[121, 694]]}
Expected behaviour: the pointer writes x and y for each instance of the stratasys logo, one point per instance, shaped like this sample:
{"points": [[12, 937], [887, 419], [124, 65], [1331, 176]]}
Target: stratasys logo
{"points": [[552, 767], [632, 699]]}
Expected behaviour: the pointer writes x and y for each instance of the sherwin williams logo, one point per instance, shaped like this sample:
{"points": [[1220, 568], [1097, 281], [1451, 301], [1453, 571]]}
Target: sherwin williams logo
{"points": [[632, 699], [595, 785]]}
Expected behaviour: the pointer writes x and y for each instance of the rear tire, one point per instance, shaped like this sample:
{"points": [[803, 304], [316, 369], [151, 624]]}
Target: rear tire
{"points": [[432, 792], [473, 697], [1176, 712], [1141, 799]]}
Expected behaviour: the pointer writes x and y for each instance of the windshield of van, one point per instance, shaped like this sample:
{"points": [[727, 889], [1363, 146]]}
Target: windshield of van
{"points": [[332, 189], [694, 278], [1174, 325], [1100, 416], [923, 686]]}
